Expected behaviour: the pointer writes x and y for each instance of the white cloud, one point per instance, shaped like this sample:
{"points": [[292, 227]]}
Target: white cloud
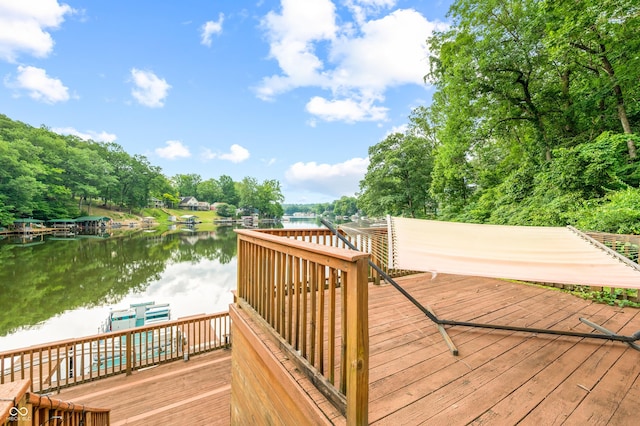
{"points": [[173, 150], [391, 51], [39, 85], [236, 154], [335, 180], [291, 35], [210, 28], [357, 61], [403, 128], [23, 26], [362, 8], [149, 90], [88, 135], [349, 110]]}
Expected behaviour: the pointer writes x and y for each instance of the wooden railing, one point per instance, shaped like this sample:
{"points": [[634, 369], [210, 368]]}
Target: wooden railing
{"points": [[21, 407], [313, 298], [375, 243], [626, 245], [68, 362]]}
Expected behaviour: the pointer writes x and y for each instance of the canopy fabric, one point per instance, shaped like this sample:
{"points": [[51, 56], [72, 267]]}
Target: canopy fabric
{"points": [[93, 219], [528, 253]]}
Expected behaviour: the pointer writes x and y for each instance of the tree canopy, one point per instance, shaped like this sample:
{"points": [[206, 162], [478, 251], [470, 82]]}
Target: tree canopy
{"points": [[45, 175], [532, 120]]}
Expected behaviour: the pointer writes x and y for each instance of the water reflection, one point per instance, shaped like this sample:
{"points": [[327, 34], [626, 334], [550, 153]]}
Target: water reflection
{"points": [[64, 288]]}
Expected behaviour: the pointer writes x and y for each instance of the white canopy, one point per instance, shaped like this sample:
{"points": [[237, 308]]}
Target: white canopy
{"points": [[528, 253]]}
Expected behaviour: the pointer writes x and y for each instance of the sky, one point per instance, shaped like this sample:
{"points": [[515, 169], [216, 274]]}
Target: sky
{"points": [[291, 90]]}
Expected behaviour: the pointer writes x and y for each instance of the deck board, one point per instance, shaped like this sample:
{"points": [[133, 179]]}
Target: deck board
{"points": [[500, 377], [195, 392], [503, 377]]}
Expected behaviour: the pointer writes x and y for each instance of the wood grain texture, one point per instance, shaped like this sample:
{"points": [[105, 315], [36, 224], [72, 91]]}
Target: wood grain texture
{"points": [[499, 378], [263, 392]]}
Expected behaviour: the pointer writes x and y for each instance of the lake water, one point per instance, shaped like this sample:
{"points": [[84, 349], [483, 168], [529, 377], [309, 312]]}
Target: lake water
{"points": [[63, 288]]}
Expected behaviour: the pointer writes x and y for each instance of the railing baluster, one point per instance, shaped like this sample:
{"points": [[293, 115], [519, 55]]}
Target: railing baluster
{"points": [[290, 296], [280, 283], [332, 325], [269, 286], [321, 290], [297, 264], [343, 325], [313, 311], [303, 303], [69, 362], [30, 366]]}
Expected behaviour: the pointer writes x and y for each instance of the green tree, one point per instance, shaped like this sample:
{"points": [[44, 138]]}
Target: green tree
{"points": [[86, 174], [523, 89], [599, 38], [187, 184], [345, 206], [209, 191], [122, 168], [398, 177], [248, 195], [170, 199], [226, 210], [263, 198], [19, 185], [269, 198], [496, 90], [229, 193]]}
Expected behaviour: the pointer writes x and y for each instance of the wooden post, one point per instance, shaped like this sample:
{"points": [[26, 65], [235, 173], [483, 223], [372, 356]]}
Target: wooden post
{"points": [[129, 352], [357, 321], [24, 411]]}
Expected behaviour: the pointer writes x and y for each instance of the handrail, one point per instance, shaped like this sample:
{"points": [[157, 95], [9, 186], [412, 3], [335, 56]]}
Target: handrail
{"points": [[625, 244], [376, 244], [43, 401], [313, 298], [69, 362], [18, 405], [10, 397]]}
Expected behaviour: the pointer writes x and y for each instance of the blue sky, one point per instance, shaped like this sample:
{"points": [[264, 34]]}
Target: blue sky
{"points": [[292, 90]]}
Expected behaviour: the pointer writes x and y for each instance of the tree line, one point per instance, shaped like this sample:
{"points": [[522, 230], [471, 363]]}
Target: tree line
{"points": [[532, 121], [45, 175], [344, 206], [247, 195]]}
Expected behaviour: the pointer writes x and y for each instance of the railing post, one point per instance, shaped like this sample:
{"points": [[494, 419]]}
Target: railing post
{"points": [[357, 343], [129, 352]]}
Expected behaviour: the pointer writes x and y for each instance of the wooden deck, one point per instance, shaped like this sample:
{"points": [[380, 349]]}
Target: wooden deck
{"points": [[195, 392], [499, 377]]}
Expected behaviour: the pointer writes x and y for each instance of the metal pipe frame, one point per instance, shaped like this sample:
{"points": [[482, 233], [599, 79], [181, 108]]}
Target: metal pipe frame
{"points": [[606, 334]]}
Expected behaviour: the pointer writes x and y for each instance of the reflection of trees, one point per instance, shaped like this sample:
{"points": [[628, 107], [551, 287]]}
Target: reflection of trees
{"points": [[39, 282]]}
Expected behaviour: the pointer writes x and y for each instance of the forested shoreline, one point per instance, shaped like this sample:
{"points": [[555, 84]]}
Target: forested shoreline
{"points": [[44, 175], [532, 120]]}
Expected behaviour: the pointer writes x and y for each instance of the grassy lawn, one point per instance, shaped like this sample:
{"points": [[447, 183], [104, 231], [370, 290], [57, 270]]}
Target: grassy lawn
{"points": [[161, 216]]}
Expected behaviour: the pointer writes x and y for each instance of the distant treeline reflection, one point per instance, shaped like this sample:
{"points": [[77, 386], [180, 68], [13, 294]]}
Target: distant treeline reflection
{"points": [[40, 281]]}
